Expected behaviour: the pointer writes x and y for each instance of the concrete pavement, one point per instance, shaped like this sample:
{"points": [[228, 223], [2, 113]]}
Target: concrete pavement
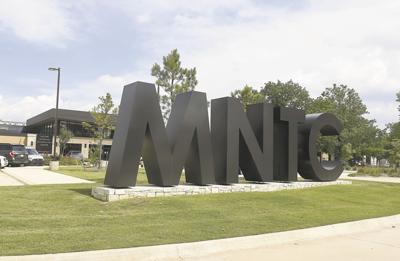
{"points": [[370, 239], [6, 180], [35, 175], [378, 245], [376, 179], [345, 175]]}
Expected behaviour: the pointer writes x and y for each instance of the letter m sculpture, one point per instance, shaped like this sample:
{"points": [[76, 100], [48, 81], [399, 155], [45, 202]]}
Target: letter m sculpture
{"points": [[140, 131]]}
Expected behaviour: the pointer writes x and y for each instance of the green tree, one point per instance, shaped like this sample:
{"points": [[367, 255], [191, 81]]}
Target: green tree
{"points": [[394, 153], [64, 137], [248, 96], [346, 104], [398, 100], [104, 121], [393, 130], [346, 152], [286, 94], [173, 79]]}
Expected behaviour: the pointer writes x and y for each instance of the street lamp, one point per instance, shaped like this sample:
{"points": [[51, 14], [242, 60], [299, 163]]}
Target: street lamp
{"points": [[56, 113]]}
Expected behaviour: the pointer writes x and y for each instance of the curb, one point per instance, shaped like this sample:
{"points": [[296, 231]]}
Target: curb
{"points": [[192, 250]]}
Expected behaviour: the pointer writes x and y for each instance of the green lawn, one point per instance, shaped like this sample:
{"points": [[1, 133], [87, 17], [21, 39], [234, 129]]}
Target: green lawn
{"points": [[62, 218]]}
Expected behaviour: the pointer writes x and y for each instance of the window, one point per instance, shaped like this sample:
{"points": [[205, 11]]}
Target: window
{"points": [[18, 148], [4, 146]]}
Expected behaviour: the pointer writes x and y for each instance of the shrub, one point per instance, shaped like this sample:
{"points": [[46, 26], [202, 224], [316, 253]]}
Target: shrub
{"points": [[48, 158], [377, 171], [68, 161]]}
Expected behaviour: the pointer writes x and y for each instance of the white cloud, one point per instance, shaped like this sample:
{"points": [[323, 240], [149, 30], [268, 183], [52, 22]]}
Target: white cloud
{"points": [[82, 97], [40, 21], [233, 43], [20, 109], [86, 94], [349, 42], [143, 18]]}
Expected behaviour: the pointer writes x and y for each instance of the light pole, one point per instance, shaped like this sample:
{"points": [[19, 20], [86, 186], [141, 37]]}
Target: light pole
{"points": [[55, 130]]}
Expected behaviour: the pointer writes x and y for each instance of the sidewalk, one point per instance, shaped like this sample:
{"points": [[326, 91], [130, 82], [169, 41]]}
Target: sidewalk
{"points": [[377, 245], [34, 175], [370, 239], [345, 175], [6, 180]]}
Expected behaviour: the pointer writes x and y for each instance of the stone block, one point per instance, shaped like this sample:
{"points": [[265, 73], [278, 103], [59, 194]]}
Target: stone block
{"points": [[110, 194]]}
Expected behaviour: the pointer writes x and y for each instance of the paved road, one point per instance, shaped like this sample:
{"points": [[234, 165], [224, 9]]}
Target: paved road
{"points": [[33, 175]]}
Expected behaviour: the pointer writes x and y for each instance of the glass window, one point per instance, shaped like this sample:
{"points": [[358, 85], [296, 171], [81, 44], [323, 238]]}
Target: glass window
{"points": [[18, 148], [32, 152], [4, 146]]}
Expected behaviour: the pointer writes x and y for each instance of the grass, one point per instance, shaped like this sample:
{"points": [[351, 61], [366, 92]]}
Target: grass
{"points": [[65, 218], [98, 175], [88, 174]]}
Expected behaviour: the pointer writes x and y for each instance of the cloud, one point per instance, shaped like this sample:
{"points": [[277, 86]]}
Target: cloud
{"points": [[22, 108], [40, 21], [233, 43], [345, 42], [143, 18], [85, 96]]}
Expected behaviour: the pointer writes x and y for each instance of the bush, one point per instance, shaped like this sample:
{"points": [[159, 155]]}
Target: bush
{"points": [[68, 161], [94, 156], [48, 158], [377, 171]]}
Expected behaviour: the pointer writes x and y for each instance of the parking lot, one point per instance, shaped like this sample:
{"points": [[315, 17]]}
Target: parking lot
{"points": [[34, 175]]}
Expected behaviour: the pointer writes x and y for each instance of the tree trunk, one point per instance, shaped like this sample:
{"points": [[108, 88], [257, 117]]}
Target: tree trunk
{"points": [[100, 152]]}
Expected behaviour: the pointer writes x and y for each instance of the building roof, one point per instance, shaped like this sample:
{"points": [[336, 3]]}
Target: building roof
{"points": [[9, 128], [63, 114], [4, 132]]}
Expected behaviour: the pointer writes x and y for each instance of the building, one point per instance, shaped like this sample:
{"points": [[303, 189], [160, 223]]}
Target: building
{"points": [[13, 132], [38, 132]]}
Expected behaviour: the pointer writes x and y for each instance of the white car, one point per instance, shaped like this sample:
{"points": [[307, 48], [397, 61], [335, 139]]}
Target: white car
{"points": [[3, 162], [34, 157]]}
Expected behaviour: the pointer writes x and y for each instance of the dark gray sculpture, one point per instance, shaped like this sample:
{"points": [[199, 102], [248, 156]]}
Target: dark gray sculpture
{"points": [[140, 130], [266, 142], [241, 141], [285, 142], [309, 167]]}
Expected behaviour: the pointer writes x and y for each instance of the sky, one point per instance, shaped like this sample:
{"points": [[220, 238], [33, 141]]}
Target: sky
{"points": [[103, 45]]}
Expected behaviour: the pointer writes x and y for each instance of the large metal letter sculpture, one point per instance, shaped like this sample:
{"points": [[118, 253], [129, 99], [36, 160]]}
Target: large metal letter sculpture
{"points": [[310, 167], [285, 145], [188, 131], [140, 127], [241, 141]]}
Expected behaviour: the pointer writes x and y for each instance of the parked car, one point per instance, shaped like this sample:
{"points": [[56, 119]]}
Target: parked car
{"points": [[75, 154], [3, 162], [34, 157], [16, 154]]}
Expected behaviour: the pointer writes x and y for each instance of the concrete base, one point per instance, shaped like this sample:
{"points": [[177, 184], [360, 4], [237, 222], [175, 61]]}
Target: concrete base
{"points": [[111, 194], [54, 165]]}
